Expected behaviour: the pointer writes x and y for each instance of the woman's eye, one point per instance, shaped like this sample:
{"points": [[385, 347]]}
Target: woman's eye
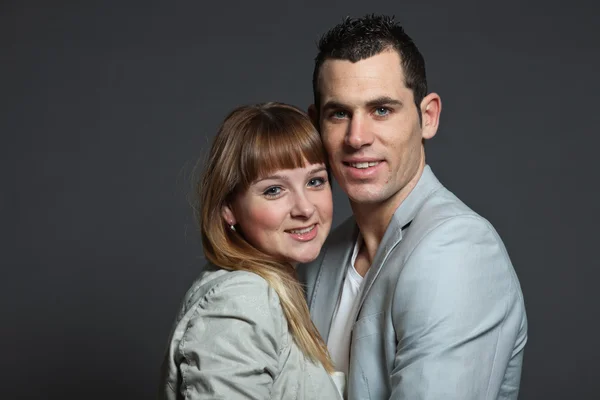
{"points": [[272, 191], [316, 182]]}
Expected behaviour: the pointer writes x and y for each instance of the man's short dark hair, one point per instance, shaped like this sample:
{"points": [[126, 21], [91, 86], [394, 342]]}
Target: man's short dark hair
{"points": [[356, 39]]}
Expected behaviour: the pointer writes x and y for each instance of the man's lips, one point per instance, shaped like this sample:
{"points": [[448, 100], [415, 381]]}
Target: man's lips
{"points": [[362, 168], [361, 164]]}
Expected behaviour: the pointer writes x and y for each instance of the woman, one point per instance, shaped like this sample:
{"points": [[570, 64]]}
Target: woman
{"points": [[244, 331]]}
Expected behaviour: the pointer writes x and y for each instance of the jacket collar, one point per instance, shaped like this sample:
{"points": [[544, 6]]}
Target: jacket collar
{"points": [[402, 217]]}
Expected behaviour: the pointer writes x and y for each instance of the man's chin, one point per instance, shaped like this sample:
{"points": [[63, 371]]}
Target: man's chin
{"points": [[364, 195]]}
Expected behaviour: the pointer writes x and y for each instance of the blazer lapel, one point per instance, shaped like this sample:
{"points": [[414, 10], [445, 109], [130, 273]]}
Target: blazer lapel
{"points": [[331, 276], [403, 216], [392, 236]]}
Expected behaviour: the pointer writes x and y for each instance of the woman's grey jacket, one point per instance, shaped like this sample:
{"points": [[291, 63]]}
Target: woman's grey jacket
{"points": [[231, 341]]}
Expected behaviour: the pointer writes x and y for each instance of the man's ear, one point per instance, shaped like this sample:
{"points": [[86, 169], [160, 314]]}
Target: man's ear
{"points": [[228, 215], [431, 107], [313, 113]]}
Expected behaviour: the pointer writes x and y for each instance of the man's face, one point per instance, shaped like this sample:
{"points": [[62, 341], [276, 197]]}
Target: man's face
{"points": [[370, 127]]}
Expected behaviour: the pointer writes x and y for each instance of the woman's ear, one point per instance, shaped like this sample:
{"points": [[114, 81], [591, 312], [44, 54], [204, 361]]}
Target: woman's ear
{"points": [[228, 215]]}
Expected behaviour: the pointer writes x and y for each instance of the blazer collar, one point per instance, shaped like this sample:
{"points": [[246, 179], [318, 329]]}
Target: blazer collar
{"points": [[339, 249], [406, 212]]}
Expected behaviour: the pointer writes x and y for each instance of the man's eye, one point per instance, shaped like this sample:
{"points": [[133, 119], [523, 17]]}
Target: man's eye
{"points": [[382, 111], [339, 114]]}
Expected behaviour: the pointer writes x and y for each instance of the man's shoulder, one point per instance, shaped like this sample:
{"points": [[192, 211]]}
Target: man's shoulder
{"points": [[447, 227], [442, 207], [442, 218]]}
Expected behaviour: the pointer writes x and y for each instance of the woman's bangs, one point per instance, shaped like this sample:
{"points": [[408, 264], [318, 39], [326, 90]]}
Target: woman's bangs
{"points": [[276, 150]]}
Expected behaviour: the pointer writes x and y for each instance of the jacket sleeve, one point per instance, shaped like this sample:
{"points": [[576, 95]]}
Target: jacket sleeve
{"points": [[458, 312], [230, 346]]}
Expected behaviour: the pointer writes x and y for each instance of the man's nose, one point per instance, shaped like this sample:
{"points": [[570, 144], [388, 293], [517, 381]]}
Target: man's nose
{"points": [[359, 132]]}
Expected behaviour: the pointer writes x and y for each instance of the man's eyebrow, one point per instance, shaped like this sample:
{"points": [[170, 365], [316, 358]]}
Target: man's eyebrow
{"points": [[376, 102], [383, 101]]}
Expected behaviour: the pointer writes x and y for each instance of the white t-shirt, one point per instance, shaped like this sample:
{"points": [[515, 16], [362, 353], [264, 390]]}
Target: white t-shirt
{"points": [[344, 316]]}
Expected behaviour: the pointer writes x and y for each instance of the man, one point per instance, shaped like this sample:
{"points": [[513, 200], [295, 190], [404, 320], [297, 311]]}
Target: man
{"points": [[415, 295]]}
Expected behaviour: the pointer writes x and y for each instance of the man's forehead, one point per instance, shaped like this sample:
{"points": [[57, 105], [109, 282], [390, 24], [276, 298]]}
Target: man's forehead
{"points": [[384, 61], [379, 73], [355, 87]]}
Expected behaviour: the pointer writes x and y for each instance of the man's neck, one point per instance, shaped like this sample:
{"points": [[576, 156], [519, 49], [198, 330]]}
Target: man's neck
{"points": [[373, 220]]}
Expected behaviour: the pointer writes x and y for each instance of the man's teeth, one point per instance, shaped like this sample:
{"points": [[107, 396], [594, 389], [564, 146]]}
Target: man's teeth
{"points": [[364, 164], [302, 231]]}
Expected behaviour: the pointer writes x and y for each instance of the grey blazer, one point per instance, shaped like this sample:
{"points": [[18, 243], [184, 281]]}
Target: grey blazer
{"points": [[231, 341], [441, 314]]}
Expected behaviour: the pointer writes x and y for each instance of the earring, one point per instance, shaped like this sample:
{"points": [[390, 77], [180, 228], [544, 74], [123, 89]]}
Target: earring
{"points": [[232, 227]]}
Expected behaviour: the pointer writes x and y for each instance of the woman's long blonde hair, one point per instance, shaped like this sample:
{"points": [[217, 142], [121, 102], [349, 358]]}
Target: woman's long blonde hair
{"points": [[252, 142]]}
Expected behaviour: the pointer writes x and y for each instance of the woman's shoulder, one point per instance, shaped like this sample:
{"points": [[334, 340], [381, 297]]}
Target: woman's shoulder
{"points": [[220, 287], [220, 298]]}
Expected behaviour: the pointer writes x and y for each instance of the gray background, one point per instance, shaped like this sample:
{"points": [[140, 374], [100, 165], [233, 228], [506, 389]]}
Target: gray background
{"points": [[106, 106]]}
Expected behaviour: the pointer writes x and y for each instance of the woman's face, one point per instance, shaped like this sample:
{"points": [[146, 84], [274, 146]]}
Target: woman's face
{"points": [[286, 214]]}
